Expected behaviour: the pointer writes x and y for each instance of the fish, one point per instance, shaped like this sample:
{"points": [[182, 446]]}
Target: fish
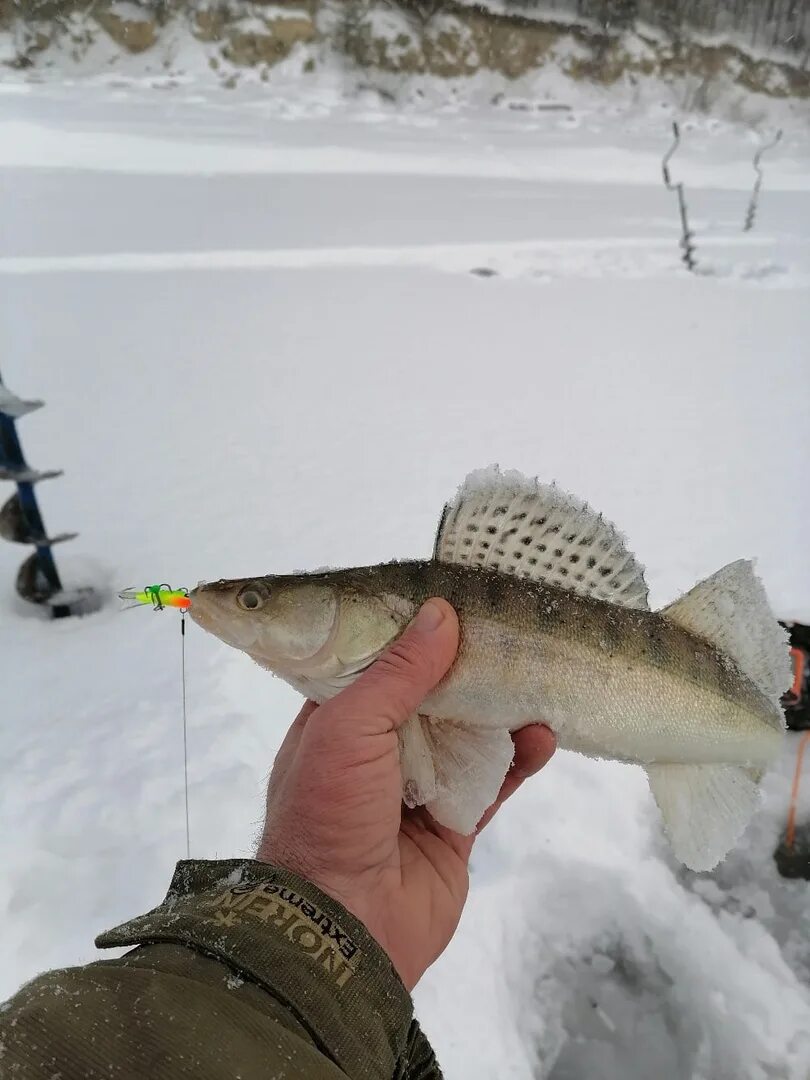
{"points": [[555, 626]]}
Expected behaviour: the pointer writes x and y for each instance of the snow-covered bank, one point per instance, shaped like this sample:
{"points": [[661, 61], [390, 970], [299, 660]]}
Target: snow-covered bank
{"points": [[539, 56], [310, 395]]}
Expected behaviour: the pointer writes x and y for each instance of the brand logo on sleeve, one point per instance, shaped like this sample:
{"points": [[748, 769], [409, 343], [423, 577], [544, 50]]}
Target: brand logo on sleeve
{"points": [[298, 920]]}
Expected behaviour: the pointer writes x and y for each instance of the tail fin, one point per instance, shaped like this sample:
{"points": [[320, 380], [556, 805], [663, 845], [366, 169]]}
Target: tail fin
{"points": [[705, 808], [731, 610]]}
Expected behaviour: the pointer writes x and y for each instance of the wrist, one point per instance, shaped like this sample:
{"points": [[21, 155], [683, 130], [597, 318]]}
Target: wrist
{"points": [[303, 867], [361, 897]]}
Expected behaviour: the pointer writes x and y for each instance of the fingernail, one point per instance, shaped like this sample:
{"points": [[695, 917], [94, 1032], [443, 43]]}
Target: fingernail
{"points": [[429, 617]]}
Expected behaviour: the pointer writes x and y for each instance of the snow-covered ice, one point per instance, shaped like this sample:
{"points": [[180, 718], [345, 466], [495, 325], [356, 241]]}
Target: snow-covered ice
{"points": [[272, 340]]}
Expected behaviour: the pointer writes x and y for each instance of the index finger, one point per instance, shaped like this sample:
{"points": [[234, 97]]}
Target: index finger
{"points": [[289, 746], [534, 748]]}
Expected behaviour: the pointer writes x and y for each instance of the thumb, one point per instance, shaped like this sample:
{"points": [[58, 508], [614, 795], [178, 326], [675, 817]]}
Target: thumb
{"points": [[397, 683]]}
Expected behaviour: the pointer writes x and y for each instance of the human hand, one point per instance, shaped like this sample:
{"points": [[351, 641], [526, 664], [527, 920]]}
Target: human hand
{"points": [[334, 801]]}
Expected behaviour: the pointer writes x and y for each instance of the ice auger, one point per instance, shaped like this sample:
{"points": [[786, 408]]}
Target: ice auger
{"points": [[38, 579]]}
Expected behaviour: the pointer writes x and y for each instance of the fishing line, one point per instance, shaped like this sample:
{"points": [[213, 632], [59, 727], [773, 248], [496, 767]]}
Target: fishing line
{"points": [[160, 597], [185, 723]]}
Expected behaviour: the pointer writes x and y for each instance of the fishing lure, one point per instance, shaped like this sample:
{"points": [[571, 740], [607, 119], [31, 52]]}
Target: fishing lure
{"points": [[159, 596]]}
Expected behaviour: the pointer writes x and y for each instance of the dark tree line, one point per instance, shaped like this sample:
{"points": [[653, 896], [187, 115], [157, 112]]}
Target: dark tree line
{"points": [[768, 24]]}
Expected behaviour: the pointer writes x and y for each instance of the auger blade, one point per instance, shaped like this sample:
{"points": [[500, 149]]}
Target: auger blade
{"points": [[32, 582], [16, 528], [13, 524], [27, 475], [14, 406]]}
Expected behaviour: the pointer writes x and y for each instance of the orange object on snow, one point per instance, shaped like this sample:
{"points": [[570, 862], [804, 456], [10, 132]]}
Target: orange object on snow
{"points": [[790, 832], [799, 660]]}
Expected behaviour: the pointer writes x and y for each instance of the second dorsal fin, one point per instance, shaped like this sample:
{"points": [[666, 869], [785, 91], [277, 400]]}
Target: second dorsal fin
{"points": [[504, 521]]}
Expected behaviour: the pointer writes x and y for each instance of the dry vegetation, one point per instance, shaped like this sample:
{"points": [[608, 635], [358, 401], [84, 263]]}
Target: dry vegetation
{"points": [[672, 40]]}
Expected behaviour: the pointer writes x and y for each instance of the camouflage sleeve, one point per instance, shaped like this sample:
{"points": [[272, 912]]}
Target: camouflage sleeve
{"points": [[244, 970]]}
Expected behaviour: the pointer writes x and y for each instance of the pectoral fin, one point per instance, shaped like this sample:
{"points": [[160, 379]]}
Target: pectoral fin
{"points": [[416, 763], [469, 767]]}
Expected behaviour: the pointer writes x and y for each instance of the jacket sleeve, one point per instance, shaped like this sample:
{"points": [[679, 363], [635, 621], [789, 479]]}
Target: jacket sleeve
{"points": [[244, 970]]}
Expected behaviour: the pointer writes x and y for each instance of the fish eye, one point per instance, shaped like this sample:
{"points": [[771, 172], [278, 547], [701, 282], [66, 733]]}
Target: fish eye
{"points": [[250, 599]]}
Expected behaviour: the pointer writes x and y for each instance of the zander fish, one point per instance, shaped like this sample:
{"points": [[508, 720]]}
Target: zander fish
{"points": [[555, 626]]}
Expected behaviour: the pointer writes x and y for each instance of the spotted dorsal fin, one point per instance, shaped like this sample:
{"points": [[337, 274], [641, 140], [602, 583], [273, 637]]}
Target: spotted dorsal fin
{"points": [[506, 522]]}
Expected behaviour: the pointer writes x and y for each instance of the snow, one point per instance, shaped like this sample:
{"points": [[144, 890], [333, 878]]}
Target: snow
{"points": [[262, 348], [129, 11]]}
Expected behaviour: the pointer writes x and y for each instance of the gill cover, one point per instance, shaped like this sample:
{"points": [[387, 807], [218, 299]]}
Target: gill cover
{"points": [[296, 620], [366, 624], [277, 621]]}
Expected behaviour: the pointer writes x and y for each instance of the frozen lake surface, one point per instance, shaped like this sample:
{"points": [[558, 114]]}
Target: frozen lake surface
{"points": [[276, 337]]}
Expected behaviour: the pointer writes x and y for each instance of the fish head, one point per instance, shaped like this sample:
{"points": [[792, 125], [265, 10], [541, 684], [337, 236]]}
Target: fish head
{"points": [[279, 620], [302, 627]]}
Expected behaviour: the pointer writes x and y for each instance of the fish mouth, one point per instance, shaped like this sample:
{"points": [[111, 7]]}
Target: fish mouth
{"points": [[213, 607], [204, 607]]}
